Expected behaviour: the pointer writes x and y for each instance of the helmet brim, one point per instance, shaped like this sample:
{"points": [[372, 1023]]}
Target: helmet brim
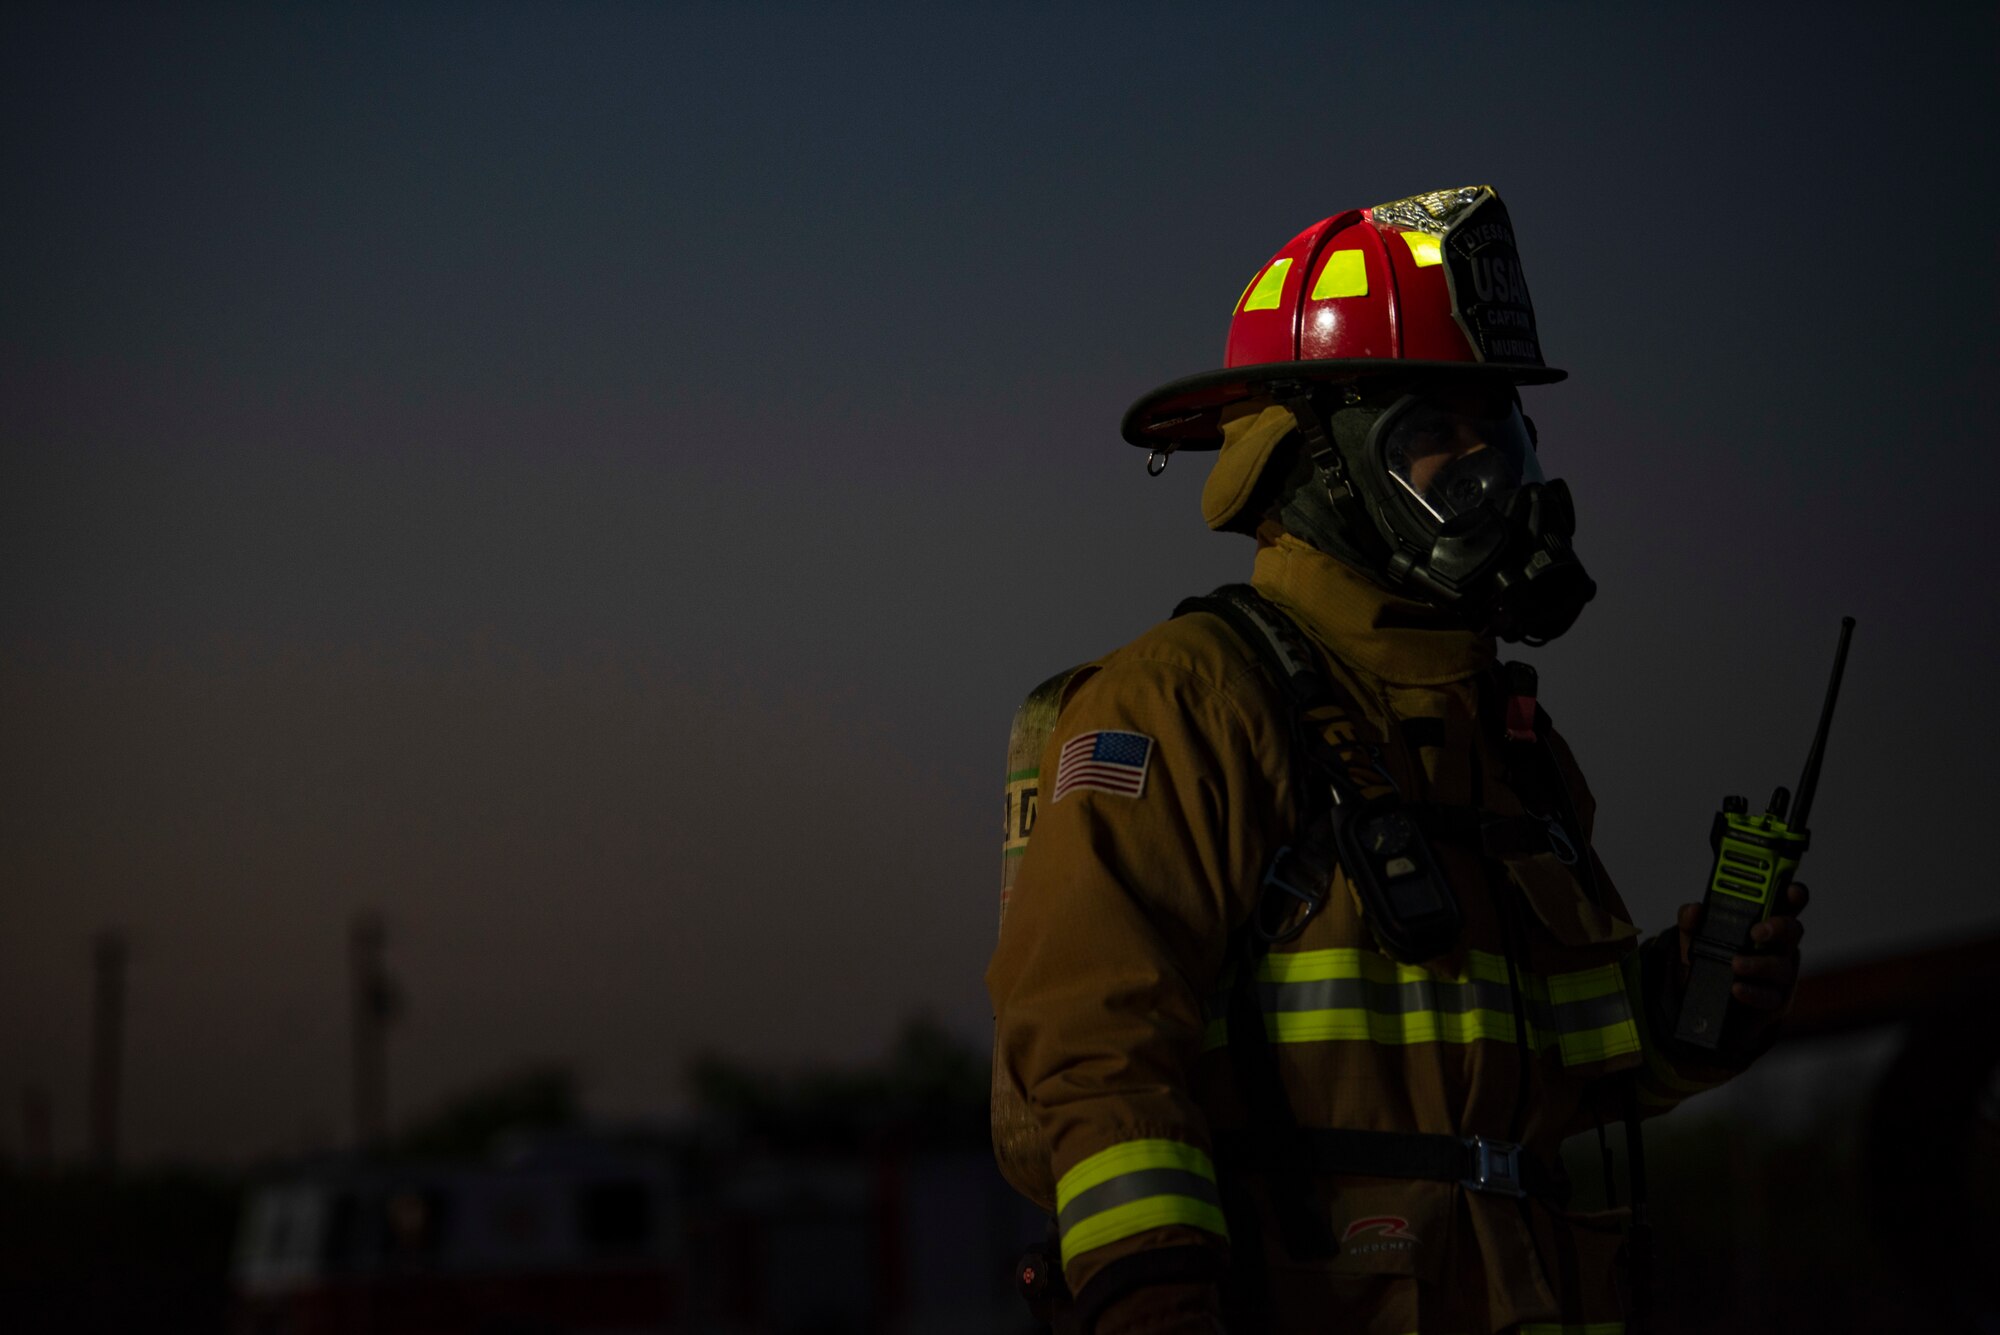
{"points": [[1186, 414]]}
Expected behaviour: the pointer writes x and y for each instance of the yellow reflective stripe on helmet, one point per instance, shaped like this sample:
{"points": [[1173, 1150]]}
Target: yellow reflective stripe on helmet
{"points": [[1268, 291], [1423, 249], [1246, 291], [1135, 1186], [1350, 994], [1345, 274]]}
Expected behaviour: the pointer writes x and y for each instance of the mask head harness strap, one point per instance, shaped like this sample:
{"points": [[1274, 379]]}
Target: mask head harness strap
{"points": [[1320, 448], [1327, 502]]}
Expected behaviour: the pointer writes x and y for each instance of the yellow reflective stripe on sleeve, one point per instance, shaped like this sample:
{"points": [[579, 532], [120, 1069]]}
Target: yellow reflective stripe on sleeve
{"points": [[1135, 1186], [1585, 985], [1123, 1221], [1130, 1157], [1578, 1038], [1345, 274], [1423, 249], [1596, 1045], [1269, 290]]}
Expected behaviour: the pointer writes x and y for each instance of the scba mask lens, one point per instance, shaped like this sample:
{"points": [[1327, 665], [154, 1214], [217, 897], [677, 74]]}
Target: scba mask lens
{"points": [[1471, 521], [1452, 455]]}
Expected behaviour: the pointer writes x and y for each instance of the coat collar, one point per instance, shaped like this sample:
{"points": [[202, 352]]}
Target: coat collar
{"points": [[1396, 639]]}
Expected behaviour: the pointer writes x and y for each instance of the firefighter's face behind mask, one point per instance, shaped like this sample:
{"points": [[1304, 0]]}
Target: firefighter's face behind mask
{"points": [[1472, 522], [1452, 452]]}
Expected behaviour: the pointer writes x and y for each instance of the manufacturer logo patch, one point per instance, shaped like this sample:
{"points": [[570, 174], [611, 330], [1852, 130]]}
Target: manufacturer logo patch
{"points": [[1380, 1233], [1108, 762]]}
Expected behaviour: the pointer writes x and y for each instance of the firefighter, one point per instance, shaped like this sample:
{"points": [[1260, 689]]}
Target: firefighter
{"points": [[1396, 1168]]}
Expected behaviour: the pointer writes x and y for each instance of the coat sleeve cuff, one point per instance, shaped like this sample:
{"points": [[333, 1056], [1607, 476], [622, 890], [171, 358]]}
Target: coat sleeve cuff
{"points": [[1184, 1276], [1672, 1071], [1134, 1187]]}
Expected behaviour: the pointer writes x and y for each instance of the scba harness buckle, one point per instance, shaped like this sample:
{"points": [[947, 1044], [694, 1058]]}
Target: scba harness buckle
{"points": [[1283, 894], [1496, 1167]]}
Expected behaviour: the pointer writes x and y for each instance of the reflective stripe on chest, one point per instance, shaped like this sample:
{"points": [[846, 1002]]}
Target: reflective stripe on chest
{"points": [[1354, 995]]}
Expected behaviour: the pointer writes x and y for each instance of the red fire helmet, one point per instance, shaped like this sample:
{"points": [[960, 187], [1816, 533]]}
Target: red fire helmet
{"points": [[1432, 282]]}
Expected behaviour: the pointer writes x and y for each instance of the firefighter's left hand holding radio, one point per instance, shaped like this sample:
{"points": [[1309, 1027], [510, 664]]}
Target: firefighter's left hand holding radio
{"points": [[1764, 980], [1739, 947]]}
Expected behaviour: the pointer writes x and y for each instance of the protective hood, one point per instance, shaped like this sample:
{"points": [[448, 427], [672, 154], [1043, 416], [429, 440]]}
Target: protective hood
{"points": [[1250, 432]]}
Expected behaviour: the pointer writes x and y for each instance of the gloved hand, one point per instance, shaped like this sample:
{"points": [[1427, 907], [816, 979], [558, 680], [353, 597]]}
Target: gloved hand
{"points": [[1765, 981], [1164, 1309]]}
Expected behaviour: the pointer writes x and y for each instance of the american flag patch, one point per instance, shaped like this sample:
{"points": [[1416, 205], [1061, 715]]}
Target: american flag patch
{"points": [[1110, 762]]}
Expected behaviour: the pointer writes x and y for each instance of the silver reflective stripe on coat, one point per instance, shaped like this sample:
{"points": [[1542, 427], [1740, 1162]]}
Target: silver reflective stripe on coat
{"points": [[1134, 1187]]}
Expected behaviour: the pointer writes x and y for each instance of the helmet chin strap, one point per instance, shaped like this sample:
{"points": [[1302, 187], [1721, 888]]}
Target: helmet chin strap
{"points": [[1510, 572]]}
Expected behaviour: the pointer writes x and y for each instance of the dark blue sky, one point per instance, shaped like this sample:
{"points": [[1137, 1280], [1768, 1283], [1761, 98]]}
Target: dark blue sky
{"points": [[594, 481]]}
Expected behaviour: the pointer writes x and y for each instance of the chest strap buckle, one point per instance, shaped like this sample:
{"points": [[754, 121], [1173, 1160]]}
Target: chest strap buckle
{"points": [[1496, 1167], [1297, 876]]}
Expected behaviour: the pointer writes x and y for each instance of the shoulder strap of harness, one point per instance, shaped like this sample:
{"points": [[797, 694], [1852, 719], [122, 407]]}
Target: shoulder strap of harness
{"points": [[1332, 763], [1349, 811]]}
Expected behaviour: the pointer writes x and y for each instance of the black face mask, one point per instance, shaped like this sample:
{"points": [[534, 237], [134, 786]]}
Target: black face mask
{"points": [[1510, 568], [1457, 512]]}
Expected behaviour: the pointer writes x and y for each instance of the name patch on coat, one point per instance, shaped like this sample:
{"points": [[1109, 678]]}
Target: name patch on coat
{"points": [[1108, 762]]}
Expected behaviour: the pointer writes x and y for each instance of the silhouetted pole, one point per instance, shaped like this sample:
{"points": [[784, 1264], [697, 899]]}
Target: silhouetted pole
{"points": [[375, 1004], [107, 1037]]}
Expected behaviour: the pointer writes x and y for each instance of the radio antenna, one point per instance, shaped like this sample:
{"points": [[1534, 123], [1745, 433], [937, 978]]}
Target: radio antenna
{"points": [[1810, 779]]}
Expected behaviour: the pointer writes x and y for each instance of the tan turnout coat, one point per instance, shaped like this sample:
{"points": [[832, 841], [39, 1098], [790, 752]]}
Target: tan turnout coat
{"points": [[1108, 980]]}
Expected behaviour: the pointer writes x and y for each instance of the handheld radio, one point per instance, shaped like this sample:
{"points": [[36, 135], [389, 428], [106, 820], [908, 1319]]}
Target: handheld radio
{"points": [[1755, 857]]}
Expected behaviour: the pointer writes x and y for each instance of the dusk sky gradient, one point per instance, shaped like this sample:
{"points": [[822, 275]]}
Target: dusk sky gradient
{"points": [[593, 482]]}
